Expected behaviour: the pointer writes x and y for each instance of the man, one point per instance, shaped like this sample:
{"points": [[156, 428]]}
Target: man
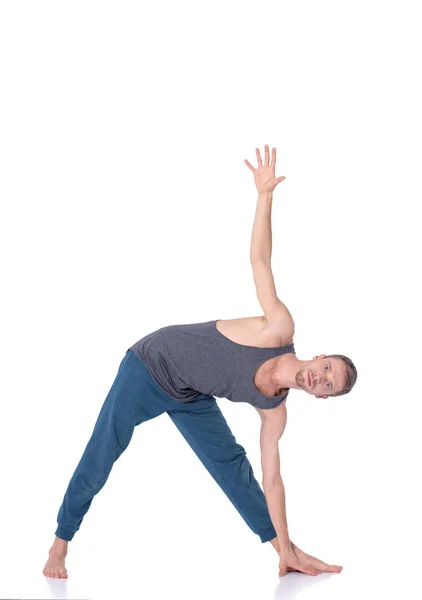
{"points": [[179, 369]]}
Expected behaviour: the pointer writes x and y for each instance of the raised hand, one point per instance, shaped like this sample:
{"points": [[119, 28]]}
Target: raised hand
{"points": [[264, 174]]}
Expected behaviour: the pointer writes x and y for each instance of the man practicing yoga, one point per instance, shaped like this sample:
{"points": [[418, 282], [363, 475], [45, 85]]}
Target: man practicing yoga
{"points": [[180, 369]]}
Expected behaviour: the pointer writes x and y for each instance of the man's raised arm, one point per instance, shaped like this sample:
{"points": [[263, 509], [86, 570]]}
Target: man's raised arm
{"points": [[276, 313]]}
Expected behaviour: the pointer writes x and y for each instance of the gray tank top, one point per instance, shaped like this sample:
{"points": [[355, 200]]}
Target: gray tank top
{"points": [[193, 359]]}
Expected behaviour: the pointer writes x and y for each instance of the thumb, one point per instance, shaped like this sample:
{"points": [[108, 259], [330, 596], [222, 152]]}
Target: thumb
{"points": [[280, 179]]}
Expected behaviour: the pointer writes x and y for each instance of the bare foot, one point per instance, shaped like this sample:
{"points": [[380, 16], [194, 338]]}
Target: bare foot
{"points": [[54, 567]]}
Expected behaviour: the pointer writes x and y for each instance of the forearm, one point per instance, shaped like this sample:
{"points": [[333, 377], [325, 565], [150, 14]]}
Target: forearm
{"points": [[276, 502], [261, 244]]}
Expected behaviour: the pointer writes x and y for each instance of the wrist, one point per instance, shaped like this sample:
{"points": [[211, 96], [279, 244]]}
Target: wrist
{"points": [[284, 546], [281, 547]]}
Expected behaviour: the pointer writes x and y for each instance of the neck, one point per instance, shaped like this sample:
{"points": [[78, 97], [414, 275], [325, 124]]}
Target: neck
{"points": [[284, 370]]}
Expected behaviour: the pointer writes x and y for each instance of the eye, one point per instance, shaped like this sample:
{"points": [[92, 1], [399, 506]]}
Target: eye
{"points": [[328, 385]]}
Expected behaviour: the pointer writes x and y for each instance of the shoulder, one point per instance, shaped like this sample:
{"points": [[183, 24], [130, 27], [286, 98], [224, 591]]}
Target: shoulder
{"points": [[278, 332], [273, 421], [274, 415], [280, 319]]}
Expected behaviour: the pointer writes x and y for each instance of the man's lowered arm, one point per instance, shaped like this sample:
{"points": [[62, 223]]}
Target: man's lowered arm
{"points": [[273, 423]]}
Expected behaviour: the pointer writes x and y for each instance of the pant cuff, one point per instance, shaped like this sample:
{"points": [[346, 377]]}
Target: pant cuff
{"points": [[267, 534], [64, 534]]}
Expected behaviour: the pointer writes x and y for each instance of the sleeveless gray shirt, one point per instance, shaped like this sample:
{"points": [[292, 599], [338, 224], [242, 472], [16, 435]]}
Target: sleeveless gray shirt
{"points": [[188, 360]]}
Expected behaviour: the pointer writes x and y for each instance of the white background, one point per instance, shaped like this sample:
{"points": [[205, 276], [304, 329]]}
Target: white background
{"points": [[126, 206]]}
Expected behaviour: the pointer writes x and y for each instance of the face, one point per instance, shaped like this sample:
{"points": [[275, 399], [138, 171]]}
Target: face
{"points": [[322, 376]]}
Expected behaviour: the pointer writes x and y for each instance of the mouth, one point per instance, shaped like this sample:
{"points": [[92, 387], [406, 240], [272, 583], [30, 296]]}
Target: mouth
{"points": [[309, 379]]}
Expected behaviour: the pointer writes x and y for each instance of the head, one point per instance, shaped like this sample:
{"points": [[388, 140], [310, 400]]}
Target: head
{"points": [[332, 375]]}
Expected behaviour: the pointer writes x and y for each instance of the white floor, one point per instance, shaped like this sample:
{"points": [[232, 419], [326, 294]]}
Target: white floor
{"points": [[206, 583], [158, 572]]}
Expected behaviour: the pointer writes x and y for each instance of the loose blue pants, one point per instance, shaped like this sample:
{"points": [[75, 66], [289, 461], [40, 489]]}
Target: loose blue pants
{"points": [[134, 398]]}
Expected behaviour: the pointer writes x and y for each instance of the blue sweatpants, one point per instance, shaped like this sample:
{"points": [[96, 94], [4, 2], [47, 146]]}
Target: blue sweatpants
{"points": [[135, 398]]}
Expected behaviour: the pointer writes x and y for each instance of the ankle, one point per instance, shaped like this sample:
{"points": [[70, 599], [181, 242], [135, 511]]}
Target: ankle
{"points": [[59, 546]]}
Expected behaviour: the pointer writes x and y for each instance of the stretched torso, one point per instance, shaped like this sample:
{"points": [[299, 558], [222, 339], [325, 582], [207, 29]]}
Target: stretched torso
{"points": [[253, 331], [230, 358]]}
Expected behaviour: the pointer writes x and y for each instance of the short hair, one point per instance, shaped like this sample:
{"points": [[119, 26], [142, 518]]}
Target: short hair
{"points": [[351, 375]]}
